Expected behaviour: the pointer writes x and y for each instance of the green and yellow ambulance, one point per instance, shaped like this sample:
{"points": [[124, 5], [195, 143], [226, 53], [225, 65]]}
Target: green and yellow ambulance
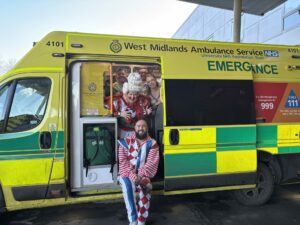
{"points": [[229, 118]]}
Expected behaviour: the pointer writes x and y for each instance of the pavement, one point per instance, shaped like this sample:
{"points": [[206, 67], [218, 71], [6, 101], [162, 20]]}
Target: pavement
{"points": [[217, 208]]}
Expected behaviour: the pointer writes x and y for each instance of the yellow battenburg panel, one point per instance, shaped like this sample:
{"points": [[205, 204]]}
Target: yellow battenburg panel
{"points": [[236, 161], [25, 172], [58, 171], [193, 136], [288, 135], [273, 151]]}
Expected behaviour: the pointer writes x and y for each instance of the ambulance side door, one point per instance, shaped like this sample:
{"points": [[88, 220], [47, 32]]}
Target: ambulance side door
{"points": [[209, 134]]}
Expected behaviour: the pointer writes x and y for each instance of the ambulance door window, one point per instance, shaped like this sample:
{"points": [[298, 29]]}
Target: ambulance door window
{"points": [[29, 104], [3, 100]]}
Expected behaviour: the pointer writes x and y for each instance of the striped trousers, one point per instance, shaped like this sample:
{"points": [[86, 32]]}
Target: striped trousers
{"points": [[136, 210]]}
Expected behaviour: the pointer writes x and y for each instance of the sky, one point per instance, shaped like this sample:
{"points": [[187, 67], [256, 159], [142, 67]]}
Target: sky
{"points": [[23, 22]]}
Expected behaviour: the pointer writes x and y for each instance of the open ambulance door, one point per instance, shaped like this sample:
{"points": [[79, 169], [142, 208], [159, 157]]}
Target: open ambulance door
{"points": [[93, 128], [93, 131]]}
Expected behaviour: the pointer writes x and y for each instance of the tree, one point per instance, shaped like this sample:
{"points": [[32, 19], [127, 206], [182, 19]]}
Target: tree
{"points": [[6, 65]]}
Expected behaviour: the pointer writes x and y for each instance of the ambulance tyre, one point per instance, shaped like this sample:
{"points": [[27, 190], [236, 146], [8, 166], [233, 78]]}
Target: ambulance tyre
{"points": [[262, 193]]}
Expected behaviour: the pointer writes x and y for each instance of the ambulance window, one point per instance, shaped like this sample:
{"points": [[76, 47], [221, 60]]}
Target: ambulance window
{"points": [[3, 97], [29, 104], [209, 102]]}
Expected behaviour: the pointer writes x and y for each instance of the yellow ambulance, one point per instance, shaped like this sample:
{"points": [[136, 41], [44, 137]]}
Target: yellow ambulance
{"points": [[229, 118]]}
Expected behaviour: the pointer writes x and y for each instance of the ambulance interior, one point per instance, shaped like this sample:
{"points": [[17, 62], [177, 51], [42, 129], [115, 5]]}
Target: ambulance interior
{"points": [[93, 156]]}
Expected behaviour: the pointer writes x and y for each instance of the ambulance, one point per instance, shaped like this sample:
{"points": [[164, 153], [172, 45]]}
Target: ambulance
{"points": [[229, 118]]}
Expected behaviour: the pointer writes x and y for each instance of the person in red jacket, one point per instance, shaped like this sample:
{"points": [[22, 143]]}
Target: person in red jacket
{"points": [[138, 163], [130, 106]]}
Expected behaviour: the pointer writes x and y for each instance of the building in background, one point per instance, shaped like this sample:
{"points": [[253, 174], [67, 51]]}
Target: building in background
{"points": [[278, 26]]}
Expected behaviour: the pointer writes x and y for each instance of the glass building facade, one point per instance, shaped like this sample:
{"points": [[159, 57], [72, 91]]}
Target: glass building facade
{"points": [[278, 26]]}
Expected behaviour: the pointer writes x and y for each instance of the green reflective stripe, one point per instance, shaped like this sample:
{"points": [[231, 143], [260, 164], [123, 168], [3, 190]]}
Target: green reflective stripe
{"points": [[26, 145], [14, 135], [54, 137], [236, 138], [32, 156], [15, 155], [292, 149], [60, 139], [21, 152], [57, 150], [238, 147], [60, 150], [60, 155], [190, 164], [266, 136], [28, 141], [236, 134]]}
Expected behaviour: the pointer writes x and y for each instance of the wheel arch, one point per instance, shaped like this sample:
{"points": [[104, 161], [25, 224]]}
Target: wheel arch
{"points": [[272, 162]]}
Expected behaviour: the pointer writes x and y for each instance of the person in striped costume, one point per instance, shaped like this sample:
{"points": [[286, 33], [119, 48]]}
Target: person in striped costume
{"points": [[138, 162], [130, 106]]}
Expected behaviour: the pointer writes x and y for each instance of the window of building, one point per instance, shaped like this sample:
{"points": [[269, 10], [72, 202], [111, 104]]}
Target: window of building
{"points": [[209, 102], [3, 98], [292, 19], [291, 5], [28, 104]]}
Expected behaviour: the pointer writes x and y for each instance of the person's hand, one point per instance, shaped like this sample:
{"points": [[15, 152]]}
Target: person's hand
{"points": [[138, 180], [146, 185], [148, 111], [126, 114]]}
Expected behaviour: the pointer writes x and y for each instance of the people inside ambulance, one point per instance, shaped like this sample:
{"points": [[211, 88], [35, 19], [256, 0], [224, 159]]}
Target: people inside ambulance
{"points": [[143, 71], [154, 90], [131, 106], [138, 162], [106, 83], [121, 78]]}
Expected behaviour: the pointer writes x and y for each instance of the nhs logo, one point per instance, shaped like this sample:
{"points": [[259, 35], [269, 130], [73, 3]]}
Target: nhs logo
{"points": [[271, 53]]}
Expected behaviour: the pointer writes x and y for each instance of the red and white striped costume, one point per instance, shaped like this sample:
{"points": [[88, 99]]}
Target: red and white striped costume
{"points": [[137, 160], [137, 111]]}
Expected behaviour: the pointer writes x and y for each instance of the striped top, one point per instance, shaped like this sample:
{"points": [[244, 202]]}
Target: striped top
{"points": [[135, 159]]}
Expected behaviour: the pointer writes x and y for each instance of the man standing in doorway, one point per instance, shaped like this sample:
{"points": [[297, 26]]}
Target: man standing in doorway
{"points": [[138, 162]]}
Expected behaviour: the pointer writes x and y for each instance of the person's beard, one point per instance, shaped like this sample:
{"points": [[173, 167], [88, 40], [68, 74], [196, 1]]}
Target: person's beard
{"points": [[142, 135]]}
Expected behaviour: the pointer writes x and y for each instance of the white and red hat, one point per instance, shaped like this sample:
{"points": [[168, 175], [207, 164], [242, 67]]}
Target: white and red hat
{"points": [[134, 83]]}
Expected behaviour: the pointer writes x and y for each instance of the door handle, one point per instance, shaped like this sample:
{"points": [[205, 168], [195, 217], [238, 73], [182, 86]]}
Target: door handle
{"points": [[174, 137], [45, 140]]}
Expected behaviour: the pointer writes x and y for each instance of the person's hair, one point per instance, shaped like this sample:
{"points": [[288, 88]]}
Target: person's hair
{"points": [[120, 70], [151, 75], [143, 68], [144, 121]]}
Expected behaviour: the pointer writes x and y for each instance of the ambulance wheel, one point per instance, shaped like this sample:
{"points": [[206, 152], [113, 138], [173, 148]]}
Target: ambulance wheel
{"points": [[263, 191]]}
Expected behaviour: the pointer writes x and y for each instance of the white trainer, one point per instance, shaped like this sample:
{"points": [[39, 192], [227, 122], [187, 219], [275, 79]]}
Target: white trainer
{"points": [[134, 223]]}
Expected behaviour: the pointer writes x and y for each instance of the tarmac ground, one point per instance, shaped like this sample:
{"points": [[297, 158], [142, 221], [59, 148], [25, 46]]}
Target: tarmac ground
{"points": [[217, 208]]}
